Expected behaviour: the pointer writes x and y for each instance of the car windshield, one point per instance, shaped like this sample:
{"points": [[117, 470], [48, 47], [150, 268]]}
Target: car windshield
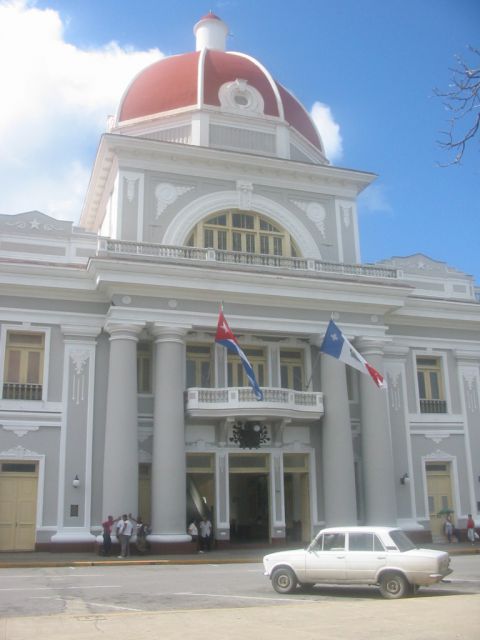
{"points": [[402, 541]]}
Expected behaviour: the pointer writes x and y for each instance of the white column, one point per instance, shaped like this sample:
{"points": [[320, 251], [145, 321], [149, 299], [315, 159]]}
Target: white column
{"points": [[377, 454], [338, 470], [169, 487], [120, 468]]}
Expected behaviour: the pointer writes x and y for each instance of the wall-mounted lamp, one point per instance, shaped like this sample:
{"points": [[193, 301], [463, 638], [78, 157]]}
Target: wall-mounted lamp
{"points": [[76, 481], [405, 479]]}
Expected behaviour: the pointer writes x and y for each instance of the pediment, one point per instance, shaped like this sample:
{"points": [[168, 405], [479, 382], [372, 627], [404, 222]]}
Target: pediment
{"points": [[422, 265], [36, 223]]}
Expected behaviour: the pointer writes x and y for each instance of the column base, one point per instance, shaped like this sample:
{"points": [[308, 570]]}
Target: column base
{"points": [[168, 544], [72, 539]]}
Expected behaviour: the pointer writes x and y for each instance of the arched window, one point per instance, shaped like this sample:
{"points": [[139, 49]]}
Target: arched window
{"points": [[244, 231]]}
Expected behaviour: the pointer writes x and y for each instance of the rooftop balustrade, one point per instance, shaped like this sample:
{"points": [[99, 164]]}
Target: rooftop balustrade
{"points": [[156, 252]]}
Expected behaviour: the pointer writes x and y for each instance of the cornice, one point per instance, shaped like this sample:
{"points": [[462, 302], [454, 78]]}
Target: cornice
{"points": [[148, 154], [448, 314]]}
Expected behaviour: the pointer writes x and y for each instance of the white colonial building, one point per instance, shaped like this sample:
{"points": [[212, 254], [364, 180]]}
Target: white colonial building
{"points": [[212, 185]]}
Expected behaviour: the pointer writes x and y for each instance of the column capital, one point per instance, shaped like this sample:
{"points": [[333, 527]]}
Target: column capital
{"points": [[79, 333], [124, 330], [396, 351], [169, 333], [370, 345], [467, 357], [316, 339]]}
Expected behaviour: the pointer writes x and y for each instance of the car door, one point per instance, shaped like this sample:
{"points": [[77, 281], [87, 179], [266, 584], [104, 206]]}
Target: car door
{"points": [[365, 556], [325, 559]]}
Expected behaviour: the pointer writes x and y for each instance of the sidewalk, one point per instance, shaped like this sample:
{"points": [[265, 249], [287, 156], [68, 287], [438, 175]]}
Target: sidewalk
{"points": [[36, 559]]}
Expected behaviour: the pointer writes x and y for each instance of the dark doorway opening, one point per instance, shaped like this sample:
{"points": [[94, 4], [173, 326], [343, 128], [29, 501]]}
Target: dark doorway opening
{"points": [[249, 508]]}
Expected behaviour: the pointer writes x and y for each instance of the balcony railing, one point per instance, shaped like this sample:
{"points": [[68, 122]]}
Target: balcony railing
{"points": [[433, 406], [157, 252], [241, 400], [17, 391]]}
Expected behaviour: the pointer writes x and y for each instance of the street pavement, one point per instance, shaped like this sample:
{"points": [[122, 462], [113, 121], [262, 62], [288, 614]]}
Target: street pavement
{"points": [[446, 616]]}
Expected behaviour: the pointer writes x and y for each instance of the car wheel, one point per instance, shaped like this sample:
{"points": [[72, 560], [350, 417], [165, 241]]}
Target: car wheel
{"points": [[284, 580], [393, 585]]}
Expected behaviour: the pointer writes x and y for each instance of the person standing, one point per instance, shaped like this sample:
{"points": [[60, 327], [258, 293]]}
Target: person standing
{"points": [[448, 526], [107, 535], [471, 529], [124, 532], [192, 531], [142, 531], [205, 534]]}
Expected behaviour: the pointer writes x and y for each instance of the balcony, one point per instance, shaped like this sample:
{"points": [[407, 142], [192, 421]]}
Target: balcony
{"points": [[433, 406], [240, 401], [255, 261], [18, 391]]}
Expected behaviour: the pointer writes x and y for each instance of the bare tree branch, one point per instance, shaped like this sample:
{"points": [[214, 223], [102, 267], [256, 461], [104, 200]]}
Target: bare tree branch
{"points": [[462, 101]]}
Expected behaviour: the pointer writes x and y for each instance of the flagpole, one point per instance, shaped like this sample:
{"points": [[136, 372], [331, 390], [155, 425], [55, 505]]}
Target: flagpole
{"points": [[315, 362]]}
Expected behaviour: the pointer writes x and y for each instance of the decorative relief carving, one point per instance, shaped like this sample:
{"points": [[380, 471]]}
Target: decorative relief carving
{"points": [[315, 212], [346, 215], [241, 97], [244, 190], [439, 455], [471, 391], [34, 224], [437, 436], [19, 430], [394, 391], [167, 193], [79, 358], [19, 452], [131, 188]]}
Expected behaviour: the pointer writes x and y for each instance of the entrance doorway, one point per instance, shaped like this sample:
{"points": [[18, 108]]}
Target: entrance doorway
{"points": [[297, 497], [439, 487], [18, 505], [200, 487], [249, 498]]}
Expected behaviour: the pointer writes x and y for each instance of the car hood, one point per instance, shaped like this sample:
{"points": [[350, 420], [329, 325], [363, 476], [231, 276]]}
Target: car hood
{"points": [[280, 555]]}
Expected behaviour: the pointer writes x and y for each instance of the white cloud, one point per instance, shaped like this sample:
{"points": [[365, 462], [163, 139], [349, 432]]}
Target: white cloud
{"points": [[329, 130], [374, 200], [54, 104]]}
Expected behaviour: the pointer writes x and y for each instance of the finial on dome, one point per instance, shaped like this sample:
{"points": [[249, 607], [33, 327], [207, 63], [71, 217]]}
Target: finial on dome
{"points": [[210, 33]]}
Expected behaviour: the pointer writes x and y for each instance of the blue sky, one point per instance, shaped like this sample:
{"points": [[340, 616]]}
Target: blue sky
{"points": [[373, 64]]}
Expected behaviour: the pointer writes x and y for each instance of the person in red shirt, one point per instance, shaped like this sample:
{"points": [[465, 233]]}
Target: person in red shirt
{"points": [[471, 533], [107, 533]]}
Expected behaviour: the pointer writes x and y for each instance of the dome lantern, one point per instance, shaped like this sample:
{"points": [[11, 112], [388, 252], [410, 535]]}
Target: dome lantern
{"points": [[211, 33]]}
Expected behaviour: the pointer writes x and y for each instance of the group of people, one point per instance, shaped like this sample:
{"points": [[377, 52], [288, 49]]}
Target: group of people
{"points": [[201, 533], [123, 528], [451, 532]]}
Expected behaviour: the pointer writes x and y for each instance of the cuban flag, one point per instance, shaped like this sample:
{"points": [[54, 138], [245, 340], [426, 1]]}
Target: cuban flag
{"points": [[336, 345], [225, 337]]}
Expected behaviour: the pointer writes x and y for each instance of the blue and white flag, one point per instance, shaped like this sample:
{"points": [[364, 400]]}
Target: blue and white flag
{"points": [[225, 337], [336, 345]]}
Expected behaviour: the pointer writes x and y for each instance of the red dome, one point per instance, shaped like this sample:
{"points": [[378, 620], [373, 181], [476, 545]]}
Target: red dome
{"points": [[173, 83]]}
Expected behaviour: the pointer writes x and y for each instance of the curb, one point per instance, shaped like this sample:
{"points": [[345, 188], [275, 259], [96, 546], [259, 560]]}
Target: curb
{"points": [[115, 563], [32, 564]]}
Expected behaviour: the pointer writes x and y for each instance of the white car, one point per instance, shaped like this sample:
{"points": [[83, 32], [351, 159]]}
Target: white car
{"points": [[380, 556]]}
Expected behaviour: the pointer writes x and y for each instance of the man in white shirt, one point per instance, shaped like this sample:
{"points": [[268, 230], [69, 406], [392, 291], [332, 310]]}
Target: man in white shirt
{"points": [[124, 533], [205, 534]]}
